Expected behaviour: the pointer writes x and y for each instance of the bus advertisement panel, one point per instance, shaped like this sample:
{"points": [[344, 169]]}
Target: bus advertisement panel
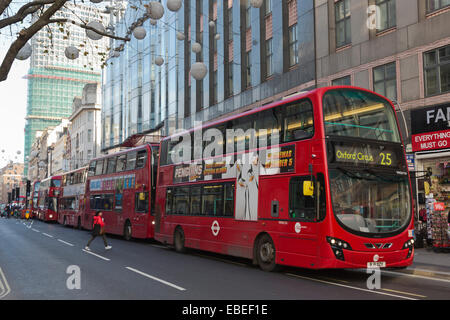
{"points": [[318, 180]]}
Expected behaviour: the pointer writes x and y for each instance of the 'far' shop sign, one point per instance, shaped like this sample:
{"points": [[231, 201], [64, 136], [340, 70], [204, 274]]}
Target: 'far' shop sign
{"points": [[430, 128]]}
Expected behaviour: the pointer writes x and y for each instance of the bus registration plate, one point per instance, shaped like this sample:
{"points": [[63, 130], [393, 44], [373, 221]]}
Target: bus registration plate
{"points": [[377, 264]]}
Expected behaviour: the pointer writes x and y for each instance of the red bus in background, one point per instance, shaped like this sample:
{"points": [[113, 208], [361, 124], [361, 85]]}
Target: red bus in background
{"points": [[71, 200], [317, 180], [34, 199], [49, 190], [122, 186]]}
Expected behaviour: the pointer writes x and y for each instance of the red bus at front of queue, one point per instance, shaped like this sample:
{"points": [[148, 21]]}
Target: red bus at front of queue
{"points": [[49, 191], [71, 200], [327, 186], [122, 186]]}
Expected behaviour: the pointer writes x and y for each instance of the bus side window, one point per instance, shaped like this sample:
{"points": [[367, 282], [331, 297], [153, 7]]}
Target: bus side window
{"points": [[92, 166], [298, 121], [169, 201], [99, 167], [121, 163], [141, 159], [131, 160]]}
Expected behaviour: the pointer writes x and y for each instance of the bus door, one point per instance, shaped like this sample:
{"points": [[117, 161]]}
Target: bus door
{"points": [[306, 210]]}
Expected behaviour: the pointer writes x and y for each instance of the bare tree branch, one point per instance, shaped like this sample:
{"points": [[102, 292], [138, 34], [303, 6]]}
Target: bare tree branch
{"points": [[24, 11], [25, 35], [3, 5], [84, 26]]}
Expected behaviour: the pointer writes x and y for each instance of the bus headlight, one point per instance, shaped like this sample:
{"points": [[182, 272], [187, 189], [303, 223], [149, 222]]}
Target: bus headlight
{"points": [[409, 245], [338, 246]]}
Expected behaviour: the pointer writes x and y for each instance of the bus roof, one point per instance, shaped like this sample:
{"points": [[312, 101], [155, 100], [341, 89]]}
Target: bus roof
{"points": [[284, 100], [151, 145]]}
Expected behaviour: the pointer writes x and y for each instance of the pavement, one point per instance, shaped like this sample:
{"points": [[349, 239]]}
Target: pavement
{"points": [[429, 263]]}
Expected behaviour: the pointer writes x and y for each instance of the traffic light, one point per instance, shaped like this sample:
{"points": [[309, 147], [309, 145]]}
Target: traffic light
{"points": [[28, 187]]}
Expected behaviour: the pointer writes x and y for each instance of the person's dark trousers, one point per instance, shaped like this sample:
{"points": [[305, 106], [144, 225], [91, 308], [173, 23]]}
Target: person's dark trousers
{"points": [[94, 236]]}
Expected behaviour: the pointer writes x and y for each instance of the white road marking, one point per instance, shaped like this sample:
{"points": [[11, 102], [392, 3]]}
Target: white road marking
{"points": [[350, 287], [156, 279], [4, 287], [97, 255], [35, 230], [47, 235], [62, 241]]}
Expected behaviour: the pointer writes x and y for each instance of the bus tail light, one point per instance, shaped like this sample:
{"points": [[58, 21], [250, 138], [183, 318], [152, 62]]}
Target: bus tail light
{"points": [[338, 246]]}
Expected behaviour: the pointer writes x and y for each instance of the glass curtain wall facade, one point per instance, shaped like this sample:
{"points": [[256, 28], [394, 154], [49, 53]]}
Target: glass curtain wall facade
{"points": [[139, 95]]}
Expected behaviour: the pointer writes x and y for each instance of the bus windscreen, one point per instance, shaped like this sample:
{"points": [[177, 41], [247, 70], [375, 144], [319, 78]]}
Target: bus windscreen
{"points": [[359, 114]]}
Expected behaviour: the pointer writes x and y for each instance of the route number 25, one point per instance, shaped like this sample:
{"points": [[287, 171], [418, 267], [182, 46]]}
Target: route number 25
{"points": [[386, 159]]}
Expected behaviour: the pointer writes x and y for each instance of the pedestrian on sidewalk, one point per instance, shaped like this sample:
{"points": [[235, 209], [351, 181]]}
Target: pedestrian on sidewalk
{"points": [[98, 230]]}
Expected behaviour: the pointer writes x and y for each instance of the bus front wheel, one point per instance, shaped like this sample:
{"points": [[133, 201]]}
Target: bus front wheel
{"points": [[266, 253], [178, 240]]}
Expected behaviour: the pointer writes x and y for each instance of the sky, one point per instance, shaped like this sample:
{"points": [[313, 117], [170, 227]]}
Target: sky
{"points": [[13, 105]]}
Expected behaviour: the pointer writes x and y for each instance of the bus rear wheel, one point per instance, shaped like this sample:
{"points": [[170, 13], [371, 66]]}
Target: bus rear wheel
{"points": [[266, 254], [178, 240], [127, 231]]}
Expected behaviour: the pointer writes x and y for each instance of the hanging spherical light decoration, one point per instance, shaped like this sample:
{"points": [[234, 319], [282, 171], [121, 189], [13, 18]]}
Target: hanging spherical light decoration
{"points": [[159, 61], [196, 47], [153, 22], [24, 53], [256, 3], [174, 5], [72, 53], [199, 70], [212, 24], [139, 33], [155, 10], [115, 53], [180, 36], [19, 152], [97, 26], [96, 1], [217, 36]]}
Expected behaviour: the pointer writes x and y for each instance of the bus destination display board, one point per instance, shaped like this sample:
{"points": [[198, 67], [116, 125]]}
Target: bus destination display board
{"points": [[365, 154]]}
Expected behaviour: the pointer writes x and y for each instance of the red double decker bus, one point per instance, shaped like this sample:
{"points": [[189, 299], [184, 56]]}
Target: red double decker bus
{"points": [[122, 186], [71, 200], [49, 191], [34, 199], [317, 180]]}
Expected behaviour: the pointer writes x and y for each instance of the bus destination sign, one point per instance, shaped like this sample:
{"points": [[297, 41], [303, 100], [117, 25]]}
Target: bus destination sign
{"points": [[364, 154]]}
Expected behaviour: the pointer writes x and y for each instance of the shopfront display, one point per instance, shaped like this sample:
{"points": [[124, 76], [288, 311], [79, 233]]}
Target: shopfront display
{"points": [[430, 141]]}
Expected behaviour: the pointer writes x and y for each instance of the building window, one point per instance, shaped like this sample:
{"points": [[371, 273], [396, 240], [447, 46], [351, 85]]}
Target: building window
{"points": [[230, 78], [344, 81], [248, 74], [437, 71], [433, 5], [248, 15], [343, 27], [387, 12], [293, 45], [269, 58], [384, 81]]}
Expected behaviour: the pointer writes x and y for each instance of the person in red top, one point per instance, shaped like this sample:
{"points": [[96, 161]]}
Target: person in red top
{"points": [[98, 230]]}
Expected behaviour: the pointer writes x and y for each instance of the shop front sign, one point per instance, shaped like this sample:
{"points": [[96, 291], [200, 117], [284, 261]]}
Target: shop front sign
{"points": [[430, 128]]}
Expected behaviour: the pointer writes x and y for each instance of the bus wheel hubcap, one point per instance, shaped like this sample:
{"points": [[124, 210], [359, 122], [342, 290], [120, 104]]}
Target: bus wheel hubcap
{"points": [[267, 252]]}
